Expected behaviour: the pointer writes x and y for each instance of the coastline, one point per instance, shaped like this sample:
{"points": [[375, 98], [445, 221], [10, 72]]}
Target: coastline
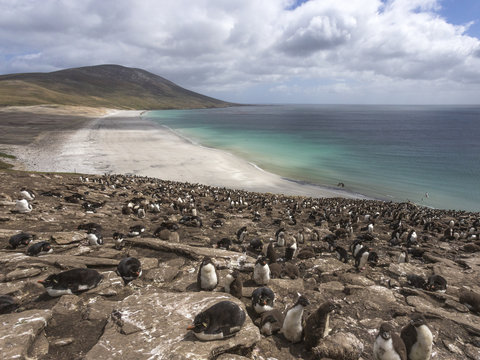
{"points": [[124, 142]]}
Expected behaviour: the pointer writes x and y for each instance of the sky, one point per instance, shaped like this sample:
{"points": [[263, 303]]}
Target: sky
{"points": [[261, 51]]}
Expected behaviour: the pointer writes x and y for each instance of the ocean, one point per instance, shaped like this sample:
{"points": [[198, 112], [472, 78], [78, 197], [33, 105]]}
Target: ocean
{"points": [[429, 155]]}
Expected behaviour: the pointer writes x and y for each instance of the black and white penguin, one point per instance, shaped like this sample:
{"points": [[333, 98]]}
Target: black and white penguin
{"points": [[7, 304], [118, 240], [403, 257], [261, 271], [317, 325], [71, 281], [242, 234], [416, 281], [220, 321], [207, 277], [356, 246], [136, 230], [412, 238], [40, 247], [388, 345], [224, 243], [280, 237], [418, 338], [436, 283], [342, 254], [292, 328], [234, 284], [129, 269], [271, 254], [90, 226], [27, 194], [361, 258], [291, 250], [22, 206], [94, 237], [20, 239], [271, 322], [263, 299]]}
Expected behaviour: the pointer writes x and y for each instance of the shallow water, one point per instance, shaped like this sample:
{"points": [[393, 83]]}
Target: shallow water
{"points": [[388, 152]]}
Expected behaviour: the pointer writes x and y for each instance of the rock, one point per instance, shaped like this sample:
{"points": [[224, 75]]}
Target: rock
{"points": [[165, 272], [148, 263], [19, 332], [149, 336], [40, 347], [396, 270], [340, 346], [63, 238], [329, 265], [66, 304], [111, 285], [22, 273], [63, 341], [355, 279]]}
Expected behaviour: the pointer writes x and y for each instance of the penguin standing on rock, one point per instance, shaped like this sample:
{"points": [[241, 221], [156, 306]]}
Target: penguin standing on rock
{"points": [[207, 277], [261, 271], [292, 328], [94, 237], [317, 325], [271, 254], [71, 281], [388, 345], [361, 258], [280, 236], [418, 338], [242, 234], [291, 250], [403, 257], [220, 321], [342, 254], [43, 246], [263, 299], [234, 285], [118, 240], [129, 269]]}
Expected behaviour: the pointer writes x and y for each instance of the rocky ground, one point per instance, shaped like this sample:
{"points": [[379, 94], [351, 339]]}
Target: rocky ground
{"points": [[147, 318]]}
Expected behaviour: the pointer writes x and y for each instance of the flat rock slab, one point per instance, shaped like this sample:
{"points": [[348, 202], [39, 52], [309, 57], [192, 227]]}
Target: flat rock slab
{"points": [[63, 238], [19, 331], [158, 330]]}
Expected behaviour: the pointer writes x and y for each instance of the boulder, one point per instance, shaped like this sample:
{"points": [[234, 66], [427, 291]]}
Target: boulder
{"points": [[149, 335], [340, 346]]}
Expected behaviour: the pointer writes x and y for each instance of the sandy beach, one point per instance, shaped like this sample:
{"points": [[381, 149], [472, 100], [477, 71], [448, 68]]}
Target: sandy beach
{"points": [[123, 142]]}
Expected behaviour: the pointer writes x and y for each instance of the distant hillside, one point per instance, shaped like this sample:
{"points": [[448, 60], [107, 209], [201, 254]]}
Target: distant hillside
{"points": [[111, 86]]}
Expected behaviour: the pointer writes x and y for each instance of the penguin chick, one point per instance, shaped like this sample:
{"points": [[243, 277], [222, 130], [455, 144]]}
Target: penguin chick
{"points": [[418, 338], [118, 240], [290, 271], [233, 284], [271, 254], [129, 269], [271, 322], [263, 299], [261, 271], [388, 345], [207, 277], [292, 328], [220, 321], [342, 254], [43, 246], [317, 325], [71, 281]]}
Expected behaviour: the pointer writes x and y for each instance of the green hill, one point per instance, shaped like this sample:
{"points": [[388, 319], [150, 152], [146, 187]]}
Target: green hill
{"points": [[111, 86]]}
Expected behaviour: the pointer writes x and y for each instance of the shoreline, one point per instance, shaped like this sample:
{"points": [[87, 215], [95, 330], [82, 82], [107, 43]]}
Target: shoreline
{"points": [[125, 142]]}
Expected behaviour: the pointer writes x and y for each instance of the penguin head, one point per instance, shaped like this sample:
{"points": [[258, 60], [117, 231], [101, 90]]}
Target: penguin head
{"points": [[200, 323], [385, 331], [207, 260], [418, 320], [50, 281], [327, 307], [303, 301], [46, 247], [262, 260]]}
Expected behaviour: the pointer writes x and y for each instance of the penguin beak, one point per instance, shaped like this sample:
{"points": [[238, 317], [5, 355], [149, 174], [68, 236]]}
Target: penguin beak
{"points": [[41, 281], [191, 327]]}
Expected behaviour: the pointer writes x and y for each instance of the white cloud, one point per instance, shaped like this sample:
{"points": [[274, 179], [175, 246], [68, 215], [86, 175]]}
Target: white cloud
{"points": [[230, 48]]}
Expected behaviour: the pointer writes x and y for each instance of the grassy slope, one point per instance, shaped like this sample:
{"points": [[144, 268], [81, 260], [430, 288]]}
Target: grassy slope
{"points": [[110, 86]]}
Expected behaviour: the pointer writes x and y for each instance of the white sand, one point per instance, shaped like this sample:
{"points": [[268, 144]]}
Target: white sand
{"points": [[125, 143]]}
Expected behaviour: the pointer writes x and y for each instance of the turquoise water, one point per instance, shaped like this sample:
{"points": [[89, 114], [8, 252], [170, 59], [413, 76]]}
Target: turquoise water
{"points": [[394, 153]]}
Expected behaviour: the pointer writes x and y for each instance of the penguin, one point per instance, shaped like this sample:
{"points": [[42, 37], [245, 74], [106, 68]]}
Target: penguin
{"points": [[22, 206], [256, 245], [261, 271], [129, 269], [118, 240], [242, 234], [263, 299], [43, 246], [90, 226], [356, 247], [290, 271], [412, 238], [218, 223], [388, 345], [233, 284], [317, 325], [370, 228], [271, 322], [361, 258], [470, 299], [136, 230], [220, 321], [416, 281], [207, 277], [436, 283], [275, 270], [291, 250], [403, 257], [280, 237], [342, 254], [292, 328], [372, 258], [418, 338], [224, 243], [20, 239], [7, 304], [71, 281], [27, 194], [271, 254], [94, 237]]}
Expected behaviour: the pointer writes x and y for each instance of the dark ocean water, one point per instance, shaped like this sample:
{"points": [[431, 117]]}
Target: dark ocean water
{"points": [[394, 153]]}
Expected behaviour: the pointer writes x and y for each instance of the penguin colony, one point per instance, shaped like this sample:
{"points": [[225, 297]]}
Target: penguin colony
{"points": [[296, 232]]}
